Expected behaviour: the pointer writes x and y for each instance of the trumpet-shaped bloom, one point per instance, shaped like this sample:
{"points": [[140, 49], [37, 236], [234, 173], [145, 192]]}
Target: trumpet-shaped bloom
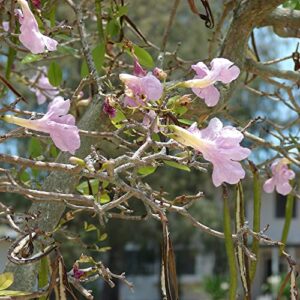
{"points": [[56, 122], [280, 179], [219, 145], [202, 85], [140, 87], [43, 89], [30, 36]]}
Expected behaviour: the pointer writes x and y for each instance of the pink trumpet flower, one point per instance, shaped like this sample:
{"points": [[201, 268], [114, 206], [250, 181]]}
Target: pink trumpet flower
{"points": [[141, 88], [280, 179], [202, 85], [42, 88], [30, 36], [219, 145], [56, 122]]}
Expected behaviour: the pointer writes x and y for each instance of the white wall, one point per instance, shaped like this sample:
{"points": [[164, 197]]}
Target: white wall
{"points": [[276, 224]]}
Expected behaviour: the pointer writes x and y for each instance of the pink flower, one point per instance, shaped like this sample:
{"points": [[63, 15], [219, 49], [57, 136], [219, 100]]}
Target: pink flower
{"points": [[280, 179], [202, 85], [30, 35], [42, 88], [56, 122], [138, 69], [219, 145], [108, 108], [140, 87]]}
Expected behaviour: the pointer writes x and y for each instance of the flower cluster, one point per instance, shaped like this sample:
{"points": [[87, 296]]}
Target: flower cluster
{"points": [[140, 87], [219, 145], [30, 36], [56, 122], [202, 85], [280, 179]]}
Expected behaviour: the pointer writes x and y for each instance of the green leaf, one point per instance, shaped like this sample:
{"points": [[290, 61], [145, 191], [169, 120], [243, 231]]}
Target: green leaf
{"points": [[180, 110], [29, 58], [103, 198], [62, 49], [35, 148], [24, 177], [6, 280], [185, 121], [293, 4], [146, 170], [98, 55], [177, 165], [89, 227], [143, 56], [83, 187], [53, 151], [105, 184], [55, 74], [122, 10], [13, 293], [119, 117], [113, 27], [102, 237]]}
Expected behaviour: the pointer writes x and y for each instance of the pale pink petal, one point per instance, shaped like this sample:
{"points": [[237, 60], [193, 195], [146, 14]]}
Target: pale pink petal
{"points": [[201, 69], [30, 35], [138, 69], [213, 130], [50, 44], [269, 185], [41, 98], [42, 88], [58, 106], [283, 188], [65, 137], [224, 70], [210, 94], [152, 87], [227, 171]]}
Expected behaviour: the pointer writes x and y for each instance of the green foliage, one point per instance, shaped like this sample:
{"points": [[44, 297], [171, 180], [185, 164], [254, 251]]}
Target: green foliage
{"points": [[30, 58], [147, 170], [176, 165], [35, 148], [6, 280], [118, 118], [55, 75], [145, 59], [293, 4], [98, 54]]}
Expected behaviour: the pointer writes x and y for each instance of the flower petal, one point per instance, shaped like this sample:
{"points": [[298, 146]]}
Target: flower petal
{"points": [[224, 70], [269, 185], [210, 94]]}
